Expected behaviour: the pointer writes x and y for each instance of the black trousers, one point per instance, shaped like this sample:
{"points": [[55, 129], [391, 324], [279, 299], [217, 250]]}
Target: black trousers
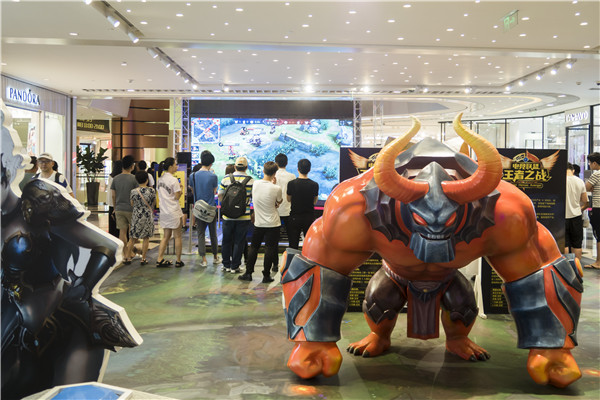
{"points": [[298, 224], [271, 238]]}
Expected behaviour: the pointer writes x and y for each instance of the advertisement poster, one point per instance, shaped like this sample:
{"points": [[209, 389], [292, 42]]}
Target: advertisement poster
{"points": [[541, 175], [353, 162]]}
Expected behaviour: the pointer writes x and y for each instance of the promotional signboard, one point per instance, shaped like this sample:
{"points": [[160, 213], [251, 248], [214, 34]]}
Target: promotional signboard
{"points": [[353, 162], [541, 175]]}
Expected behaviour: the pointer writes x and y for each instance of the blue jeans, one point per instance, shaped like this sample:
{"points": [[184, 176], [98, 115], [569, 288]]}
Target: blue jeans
{"points": [[212, 231], [234, 241]]}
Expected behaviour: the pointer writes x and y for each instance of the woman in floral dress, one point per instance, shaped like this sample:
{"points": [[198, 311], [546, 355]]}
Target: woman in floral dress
{"points": [[142, 199]]}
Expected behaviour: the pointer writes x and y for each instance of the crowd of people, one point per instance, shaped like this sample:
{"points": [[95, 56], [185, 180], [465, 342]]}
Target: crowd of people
{"points": [[279, 200]]}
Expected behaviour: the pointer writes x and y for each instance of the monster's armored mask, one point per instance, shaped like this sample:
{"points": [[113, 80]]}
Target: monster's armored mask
{"points": [[444, 196]]}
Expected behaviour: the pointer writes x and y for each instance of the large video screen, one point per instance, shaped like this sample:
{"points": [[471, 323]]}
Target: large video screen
{"points": [[261, 139]]}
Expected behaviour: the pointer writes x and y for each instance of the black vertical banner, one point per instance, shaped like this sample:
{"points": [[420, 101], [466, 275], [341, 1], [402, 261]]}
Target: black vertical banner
{"points": [[541, 175], [353, 162]]}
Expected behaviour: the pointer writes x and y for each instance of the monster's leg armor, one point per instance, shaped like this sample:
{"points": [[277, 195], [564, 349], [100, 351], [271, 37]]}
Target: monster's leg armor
{"points": [[459, 300], [315, 299], [545, 305], [384, 297]]}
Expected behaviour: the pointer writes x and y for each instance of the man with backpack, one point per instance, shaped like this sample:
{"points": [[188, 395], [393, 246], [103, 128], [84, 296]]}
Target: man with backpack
{"points": [[45, 162], [235, 194]]}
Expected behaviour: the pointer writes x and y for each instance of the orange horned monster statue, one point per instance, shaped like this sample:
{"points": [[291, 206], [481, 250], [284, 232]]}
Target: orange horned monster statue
{"points": [[428, 211]]}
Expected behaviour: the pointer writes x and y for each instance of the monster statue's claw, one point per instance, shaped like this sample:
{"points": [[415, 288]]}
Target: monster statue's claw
{"points": [[472, 358], [483, 356], [365, 354]]}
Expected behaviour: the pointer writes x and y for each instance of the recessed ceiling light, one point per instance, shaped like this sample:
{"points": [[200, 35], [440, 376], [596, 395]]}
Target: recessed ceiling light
{"points": [[523, 34], [188, 4], [494, 41], [254, 54], [350, 59], [289, 77], [245, 70], [219, 51], [275, 60], [351, 12], [73, 33], [149, 80], [577, 14], [212, 34], [586, 46], [179, 15], [286, 37], [144, 22], [437, 40], [495, 26], [583, 23], [368, 31], [226, 23], [168, 27], [555, 36], [391, 21], [347, 22], [194, 56], [214, 6], [465, 15], [525, 19], [449, 29], [249, 29], [305, 25], [184, 50], [562, 95], [407, 6], [287, 4], [426, 63], [309, 15], [124, 64], [239, 9], [131, 90], [128, 10], [324, 40]]}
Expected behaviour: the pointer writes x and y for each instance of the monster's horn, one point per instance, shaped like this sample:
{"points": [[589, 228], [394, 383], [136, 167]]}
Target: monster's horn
{"points": [[488, 174], [391, 182]]}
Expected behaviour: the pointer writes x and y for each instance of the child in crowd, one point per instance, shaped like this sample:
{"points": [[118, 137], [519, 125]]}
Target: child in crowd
{"points": [[142, 219]]}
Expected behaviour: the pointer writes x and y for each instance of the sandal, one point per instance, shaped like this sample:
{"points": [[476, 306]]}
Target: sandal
{"points": [[127, 261], [179, 264], [164, 264], [591, 266], [143, 261]]}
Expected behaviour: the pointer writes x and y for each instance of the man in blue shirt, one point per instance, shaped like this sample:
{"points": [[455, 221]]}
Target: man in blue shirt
{"points": [[204, 184]]}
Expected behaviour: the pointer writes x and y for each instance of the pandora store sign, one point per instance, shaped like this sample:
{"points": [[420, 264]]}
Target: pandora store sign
{"points": [[25, 96]]}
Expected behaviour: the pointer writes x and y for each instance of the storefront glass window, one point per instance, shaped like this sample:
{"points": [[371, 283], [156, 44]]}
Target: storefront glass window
{"points": [[525, 133], [54, 139], [596, 129], [27, 124], [554, 132], [493, 131]]}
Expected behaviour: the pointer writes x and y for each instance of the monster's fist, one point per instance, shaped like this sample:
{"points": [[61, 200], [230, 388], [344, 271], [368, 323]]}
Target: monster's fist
{"points": [[556, 367], [309, 359]]}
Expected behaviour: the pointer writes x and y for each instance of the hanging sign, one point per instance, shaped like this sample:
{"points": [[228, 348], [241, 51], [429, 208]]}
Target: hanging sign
{"points": [[93, 125]]}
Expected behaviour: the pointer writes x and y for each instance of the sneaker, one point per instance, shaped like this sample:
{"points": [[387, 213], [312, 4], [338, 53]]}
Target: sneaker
{"points": [[225, 269], [235, 270], [266, 279], [217, 260], [245, 277], [204, 264]]}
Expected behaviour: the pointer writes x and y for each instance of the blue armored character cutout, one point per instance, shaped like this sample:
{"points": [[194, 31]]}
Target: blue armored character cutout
{"points": [[56, 327]]}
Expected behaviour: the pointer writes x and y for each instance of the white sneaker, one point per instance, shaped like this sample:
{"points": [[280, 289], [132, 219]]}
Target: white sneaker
{"points": [[225, 269], [204, 264], [217, 260], [236, 271]]}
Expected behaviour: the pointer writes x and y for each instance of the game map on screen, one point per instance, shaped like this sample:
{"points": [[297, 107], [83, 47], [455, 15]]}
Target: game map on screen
{"points": [[261, 139]]}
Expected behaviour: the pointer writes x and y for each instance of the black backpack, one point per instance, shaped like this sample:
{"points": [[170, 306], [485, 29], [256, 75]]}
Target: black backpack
{"points": [[233, 204]]}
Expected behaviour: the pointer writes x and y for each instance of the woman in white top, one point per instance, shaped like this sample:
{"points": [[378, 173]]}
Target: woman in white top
{"points": [[169, 191]]}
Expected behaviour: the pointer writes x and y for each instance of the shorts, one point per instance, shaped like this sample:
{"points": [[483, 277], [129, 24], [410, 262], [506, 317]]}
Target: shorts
{"points": [[574, 232], [595, 222], [123, 219]]}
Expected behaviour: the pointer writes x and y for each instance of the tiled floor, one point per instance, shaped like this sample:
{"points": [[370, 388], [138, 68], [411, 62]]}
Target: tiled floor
{"points": [[208, 335]]}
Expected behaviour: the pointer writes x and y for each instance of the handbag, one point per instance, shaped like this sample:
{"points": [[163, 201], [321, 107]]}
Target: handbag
{"points": [[204, 211]]}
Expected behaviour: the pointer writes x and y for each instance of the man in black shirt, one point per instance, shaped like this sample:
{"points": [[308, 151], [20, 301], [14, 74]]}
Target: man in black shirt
{"points": [[302, 193]]}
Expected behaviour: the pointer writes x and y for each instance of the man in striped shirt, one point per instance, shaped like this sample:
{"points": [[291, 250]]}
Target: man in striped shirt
{"points": [[593, 185], [235, 229]]}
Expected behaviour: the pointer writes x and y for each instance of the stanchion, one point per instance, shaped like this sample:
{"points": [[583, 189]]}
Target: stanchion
{"points": [[189, 251]]}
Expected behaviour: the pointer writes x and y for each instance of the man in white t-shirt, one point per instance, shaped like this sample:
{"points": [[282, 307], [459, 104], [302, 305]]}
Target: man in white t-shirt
{"points": [[266, 196], [282, 178], [45, 162], [576, 202]]}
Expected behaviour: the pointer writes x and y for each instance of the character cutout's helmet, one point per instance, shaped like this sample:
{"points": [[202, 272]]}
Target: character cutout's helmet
{"points": [[443, 195]]}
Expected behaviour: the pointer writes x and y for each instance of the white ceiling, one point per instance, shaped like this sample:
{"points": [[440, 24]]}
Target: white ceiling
{"points": [[370, 50]]}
